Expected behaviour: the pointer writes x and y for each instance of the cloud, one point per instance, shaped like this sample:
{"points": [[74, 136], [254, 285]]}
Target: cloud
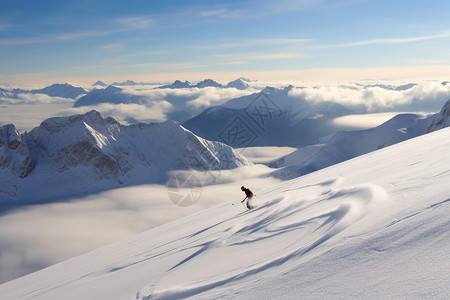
{"points": [[127, 113], [29, 98], [375, 98], [112, 47], [444, 34], [5, 26], [29, 110], [259, 42], [213, 96], [223, 13], [118, 26], [132, 23], [364, 121], [280, 55], [196, 99], [60, 231]]}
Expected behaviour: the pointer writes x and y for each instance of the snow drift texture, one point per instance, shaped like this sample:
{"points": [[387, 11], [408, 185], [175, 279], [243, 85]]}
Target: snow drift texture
{"points": [[375, 227], [87, 153]]}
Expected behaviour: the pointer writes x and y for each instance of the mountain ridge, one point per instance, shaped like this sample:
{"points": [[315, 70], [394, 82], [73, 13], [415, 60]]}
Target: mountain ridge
{"points": [[343, 231], [271, 117], [99, 153], [346, 145]]}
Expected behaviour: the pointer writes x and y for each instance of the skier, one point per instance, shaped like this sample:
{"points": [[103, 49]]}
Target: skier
{"points": [[248, 194]]}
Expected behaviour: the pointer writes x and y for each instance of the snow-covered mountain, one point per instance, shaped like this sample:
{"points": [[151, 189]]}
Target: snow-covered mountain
{"points": [[16, 161], [5, 93], [240, 84], [207, 83], [402, 87], [271, 117], [111, 94], [68, 156], [56, 90], [100, 83], [441, 120], [345, 145], [177, 84], [132, 83], [375, 227]]}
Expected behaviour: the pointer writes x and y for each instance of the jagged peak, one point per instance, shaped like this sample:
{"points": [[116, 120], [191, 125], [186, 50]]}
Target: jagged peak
{"points": [[441, 119], [99, 83], [93, 118], [9, 135]]}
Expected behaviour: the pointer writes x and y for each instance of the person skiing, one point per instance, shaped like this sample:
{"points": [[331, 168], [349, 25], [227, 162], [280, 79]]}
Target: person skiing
{"points": [[248, 195]]}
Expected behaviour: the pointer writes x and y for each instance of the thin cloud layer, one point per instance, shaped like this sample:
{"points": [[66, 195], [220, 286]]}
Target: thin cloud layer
{"points": [[29, 98], [127, 113]]}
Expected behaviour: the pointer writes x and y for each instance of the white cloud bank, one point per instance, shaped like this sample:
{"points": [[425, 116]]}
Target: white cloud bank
{"points": [[374, 97], [126, 113]]}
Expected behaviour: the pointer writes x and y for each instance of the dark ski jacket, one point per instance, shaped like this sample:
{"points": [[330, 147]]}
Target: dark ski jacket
{"points": [[248, 193]]}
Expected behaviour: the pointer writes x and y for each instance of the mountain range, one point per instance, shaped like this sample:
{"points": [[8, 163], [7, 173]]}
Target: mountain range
{"points": [[55, 90], [240, 84], [68, 156], [375, 227], [271, 117], [345, 145], [110, 94]]}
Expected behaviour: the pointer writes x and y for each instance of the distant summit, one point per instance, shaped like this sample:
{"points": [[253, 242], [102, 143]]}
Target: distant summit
{"points": [[56, 90], [208, 83], [132, 83], [177, 84], [272, 117], [99, 83], [240, 84], [111, 94]]}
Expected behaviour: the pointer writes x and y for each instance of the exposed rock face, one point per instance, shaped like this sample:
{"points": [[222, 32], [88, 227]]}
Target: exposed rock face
{"points": [[88, 153], [442, 119], [16, 162], [14, 152]]}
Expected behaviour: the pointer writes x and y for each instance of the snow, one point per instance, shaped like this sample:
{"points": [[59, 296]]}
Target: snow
{"points": [[82, 154], [372, 227], [348, 144], [273, 117]]}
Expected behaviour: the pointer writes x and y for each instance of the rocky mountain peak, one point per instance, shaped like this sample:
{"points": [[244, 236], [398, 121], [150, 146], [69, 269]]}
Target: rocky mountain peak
{"points": [[442, 119], [14, 152]]}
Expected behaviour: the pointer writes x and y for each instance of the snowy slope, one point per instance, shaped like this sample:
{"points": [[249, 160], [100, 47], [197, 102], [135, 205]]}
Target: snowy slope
{"points": [[372, 227], [240, 83], [88, 153], [348, 144], [271, 117]]}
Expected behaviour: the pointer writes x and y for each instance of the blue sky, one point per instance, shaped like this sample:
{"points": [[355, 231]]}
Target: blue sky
{"points": [[169, 39]]}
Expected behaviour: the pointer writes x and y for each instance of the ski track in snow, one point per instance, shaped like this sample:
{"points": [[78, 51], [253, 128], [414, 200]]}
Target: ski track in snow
{"points": [[301, 221], [372, 227]]}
